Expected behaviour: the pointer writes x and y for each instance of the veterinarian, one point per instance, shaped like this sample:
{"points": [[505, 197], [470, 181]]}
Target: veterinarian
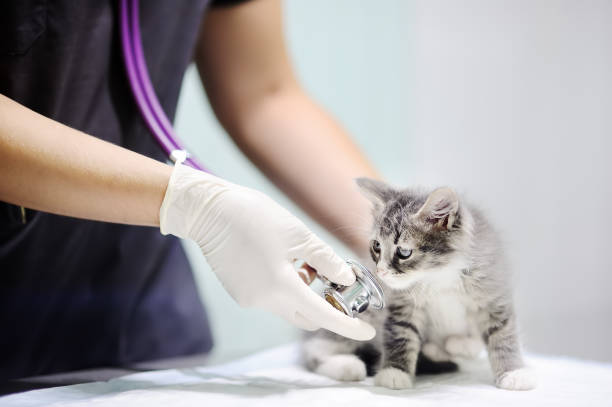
{"points": [[86, 277]]}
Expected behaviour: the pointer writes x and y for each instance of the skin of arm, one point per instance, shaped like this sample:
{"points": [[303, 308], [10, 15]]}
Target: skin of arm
{"points": [[80, 176], [255, 95], [244, 66]]}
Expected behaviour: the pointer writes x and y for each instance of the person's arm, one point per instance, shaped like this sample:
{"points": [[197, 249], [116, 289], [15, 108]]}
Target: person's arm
{"points": [[47, 166], [50, 167], [245, 69]]}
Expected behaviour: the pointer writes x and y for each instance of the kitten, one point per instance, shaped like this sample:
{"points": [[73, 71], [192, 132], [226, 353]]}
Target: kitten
{"points": [[447, 290]]}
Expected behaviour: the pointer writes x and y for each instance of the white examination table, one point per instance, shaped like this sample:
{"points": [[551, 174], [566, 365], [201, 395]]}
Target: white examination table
{"points": [[275, 378]]}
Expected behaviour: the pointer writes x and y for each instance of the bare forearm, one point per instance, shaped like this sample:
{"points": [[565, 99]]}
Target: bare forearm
{"points": [[245, 68], [310, 157], [50, 167]]}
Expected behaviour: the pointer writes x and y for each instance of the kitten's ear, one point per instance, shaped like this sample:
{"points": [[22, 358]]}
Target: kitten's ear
{"points": [[440, 208], [376, 191]]}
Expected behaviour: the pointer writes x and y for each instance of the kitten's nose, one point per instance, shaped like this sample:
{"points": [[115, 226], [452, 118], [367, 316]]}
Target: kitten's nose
{"points": [[382, 271]]}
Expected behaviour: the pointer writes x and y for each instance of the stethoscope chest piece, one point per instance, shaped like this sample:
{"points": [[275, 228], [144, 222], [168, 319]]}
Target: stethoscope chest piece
{"points": [[365, 293]]}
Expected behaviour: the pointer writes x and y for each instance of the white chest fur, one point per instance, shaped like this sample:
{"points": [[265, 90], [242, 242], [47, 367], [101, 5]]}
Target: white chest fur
{"points": [[448, 313], [448, 309]]}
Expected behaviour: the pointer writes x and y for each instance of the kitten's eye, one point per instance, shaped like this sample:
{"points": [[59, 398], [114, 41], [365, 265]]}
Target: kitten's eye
{"points": [[376, 246], [403, 253]]}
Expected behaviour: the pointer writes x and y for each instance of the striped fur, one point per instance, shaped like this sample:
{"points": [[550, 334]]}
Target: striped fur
{"points": [[450, 296]]}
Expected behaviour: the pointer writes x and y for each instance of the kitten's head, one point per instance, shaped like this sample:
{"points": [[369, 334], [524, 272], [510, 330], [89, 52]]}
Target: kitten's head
{"points": [[415, 234]]}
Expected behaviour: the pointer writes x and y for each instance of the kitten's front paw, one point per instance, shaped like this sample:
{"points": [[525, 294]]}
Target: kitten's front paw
{"points": [[519, 379], [393, 378], [347, 368]]}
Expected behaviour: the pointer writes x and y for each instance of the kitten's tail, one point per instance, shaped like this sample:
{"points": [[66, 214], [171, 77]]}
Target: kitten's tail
{"points": [[427, 366]]}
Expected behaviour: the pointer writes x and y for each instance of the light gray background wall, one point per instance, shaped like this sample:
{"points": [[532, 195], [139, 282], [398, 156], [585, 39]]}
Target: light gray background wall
{"points": [[507, 101]]}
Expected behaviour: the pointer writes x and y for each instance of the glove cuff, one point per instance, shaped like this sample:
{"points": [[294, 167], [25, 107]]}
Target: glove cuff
{"points": [[186, 197]]}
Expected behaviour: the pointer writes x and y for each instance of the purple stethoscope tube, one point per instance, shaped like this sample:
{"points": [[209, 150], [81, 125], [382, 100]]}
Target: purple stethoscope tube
{"points": [[349, 300], [142, 89]]}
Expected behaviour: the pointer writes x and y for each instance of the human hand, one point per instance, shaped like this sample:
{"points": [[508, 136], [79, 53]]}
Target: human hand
{"points": [[251, 243]]}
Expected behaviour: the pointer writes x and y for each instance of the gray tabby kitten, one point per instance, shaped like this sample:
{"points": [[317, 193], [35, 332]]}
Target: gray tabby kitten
{"points": [[447, 290]]}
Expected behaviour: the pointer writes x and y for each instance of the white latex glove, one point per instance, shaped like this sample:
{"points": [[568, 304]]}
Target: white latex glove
{"points": [[251, 242]]}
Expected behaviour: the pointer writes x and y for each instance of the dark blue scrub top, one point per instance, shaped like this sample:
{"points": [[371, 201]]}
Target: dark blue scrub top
{"points": [[75, 293]]}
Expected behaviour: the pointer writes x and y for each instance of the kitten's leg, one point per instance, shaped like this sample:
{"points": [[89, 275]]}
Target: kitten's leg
{"points": [[499, 333], [334, 357], [402, 344], [466, 346], [435, 352]]}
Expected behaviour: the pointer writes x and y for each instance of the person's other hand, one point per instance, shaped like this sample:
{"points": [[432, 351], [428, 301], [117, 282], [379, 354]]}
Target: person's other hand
{"points": [[251, 243]]}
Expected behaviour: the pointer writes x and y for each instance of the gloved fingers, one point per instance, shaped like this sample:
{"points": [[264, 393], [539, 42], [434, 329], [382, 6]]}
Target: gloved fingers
{"points": [[322, 258], [304, 323], [307, 273], [316, 309], [288, 313]]}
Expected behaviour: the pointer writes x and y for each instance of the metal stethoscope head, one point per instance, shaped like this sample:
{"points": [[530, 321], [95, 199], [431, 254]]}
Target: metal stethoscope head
{"points": [[365, 293]]}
